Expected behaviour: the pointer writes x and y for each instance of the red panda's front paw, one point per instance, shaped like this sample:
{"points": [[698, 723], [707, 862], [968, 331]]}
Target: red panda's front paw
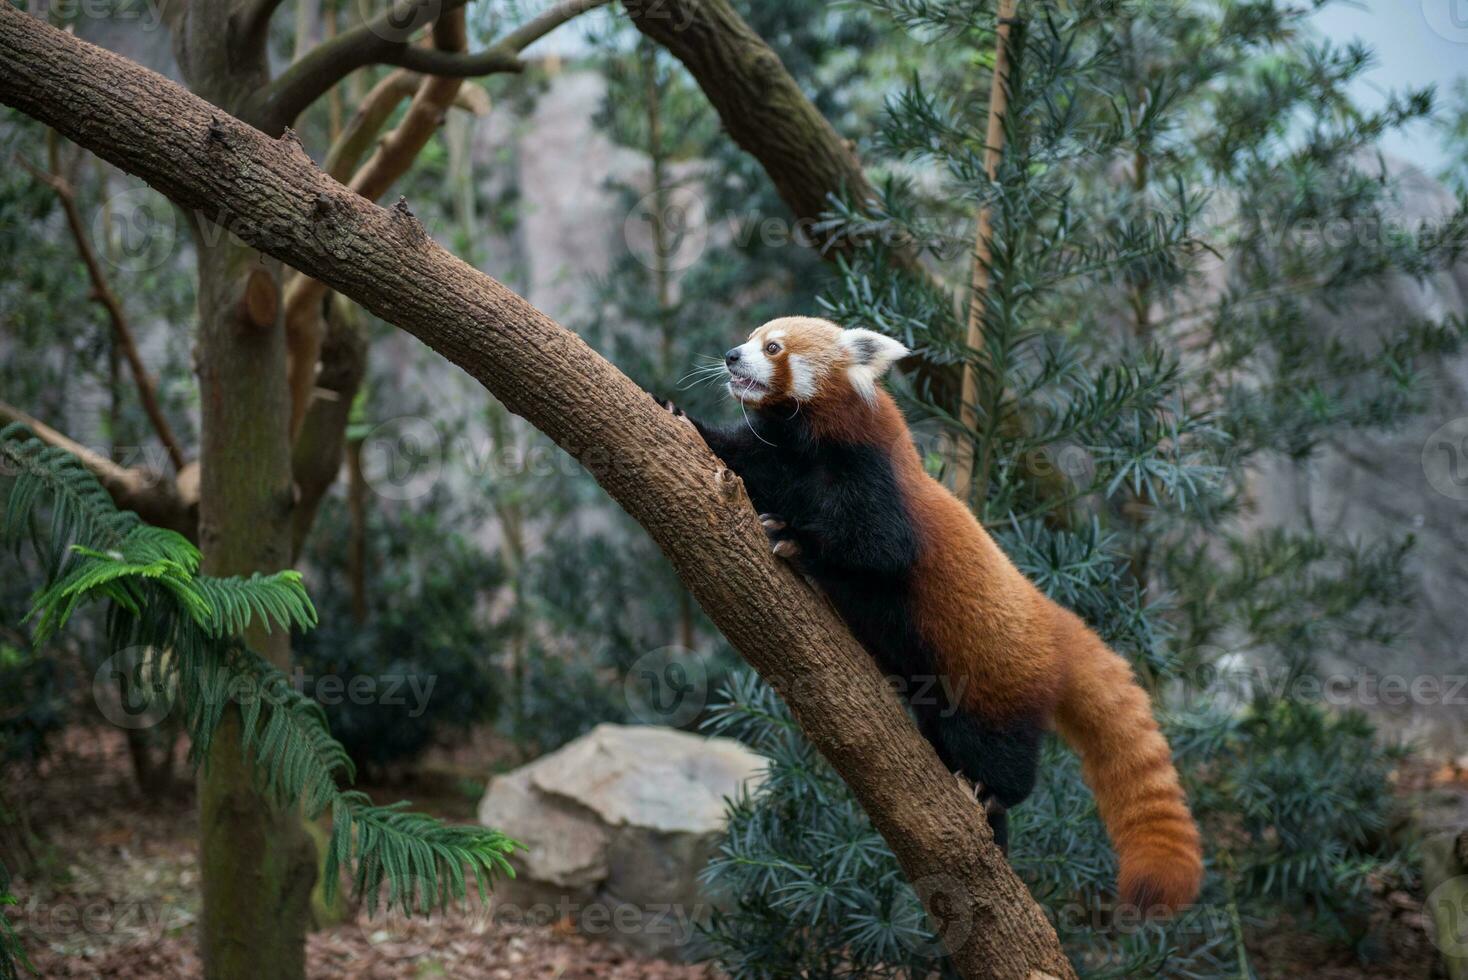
{"points": [[777, 529], [786, 548]]}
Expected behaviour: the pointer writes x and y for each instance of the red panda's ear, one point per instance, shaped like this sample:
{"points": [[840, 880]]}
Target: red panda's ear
{"points": [[871, 355]]}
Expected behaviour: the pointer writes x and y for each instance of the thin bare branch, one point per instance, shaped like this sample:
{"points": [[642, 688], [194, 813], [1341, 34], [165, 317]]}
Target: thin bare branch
{"points": [[392, 158], [102, 292], [372, 113]]}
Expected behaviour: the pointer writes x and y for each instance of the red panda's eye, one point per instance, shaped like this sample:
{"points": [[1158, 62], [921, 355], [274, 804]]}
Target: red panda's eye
{"points": [[772, 348]]}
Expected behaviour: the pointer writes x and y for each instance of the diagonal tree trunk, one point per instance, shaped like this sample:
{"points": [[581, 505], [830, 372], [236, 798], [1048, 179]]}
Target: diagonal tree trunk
{"points": [[649, 462]]}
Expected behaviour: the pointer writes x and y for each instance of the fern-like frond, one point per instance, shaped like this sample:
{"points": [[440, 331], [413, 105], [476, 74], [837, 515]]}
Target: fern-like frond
{"points": [[233, 603], [189, 629], [81, 509], [422, 859]]}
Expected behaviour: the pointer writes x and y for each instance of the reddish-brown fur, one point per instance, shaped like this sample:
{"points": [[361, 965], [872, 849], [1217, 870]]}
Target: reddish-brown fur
{"points": [[1011, 650]]}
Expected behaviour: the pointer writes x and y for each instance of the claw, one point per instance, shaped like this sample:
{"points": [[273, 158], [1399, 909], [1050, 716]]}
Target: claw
{"points": [[980, 794], [786, 548], [772, 522]]}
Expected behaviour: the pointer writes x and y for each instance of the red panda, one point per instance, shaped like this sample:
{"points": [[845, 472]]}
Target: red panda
{"points": [[828, 461]]}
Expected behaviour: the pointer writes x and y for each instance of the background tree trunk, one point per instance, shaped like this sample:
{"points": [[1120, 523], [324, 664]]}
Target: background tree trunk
{"points": [[257, 862], [651, 463]]}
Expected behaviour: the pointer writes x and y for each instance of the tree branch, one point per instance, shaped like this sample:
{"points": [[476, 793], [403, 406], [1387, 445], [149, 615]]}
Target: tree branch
{"points": [[651, 463], [153, 496], [371, 114], [386, 40], [103, 294], [760, 104], [253, 22], [316, 453]]}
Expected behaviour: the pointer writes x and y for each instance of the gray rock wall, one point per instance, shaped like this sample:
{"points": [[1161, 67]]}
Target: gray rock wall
{"points": [[1370, 485]]}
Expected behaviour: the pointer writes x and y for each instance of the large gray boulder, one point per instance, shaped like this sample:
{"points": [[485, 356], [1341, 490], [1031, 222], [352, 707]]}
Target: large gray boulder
{"points": [[618, 825]]}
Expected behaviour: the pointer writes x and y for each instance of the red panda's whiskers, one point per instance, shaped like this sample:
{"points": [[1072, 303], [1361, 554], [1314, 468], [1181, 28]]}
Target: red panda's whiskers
{"points": [[745, 412]]}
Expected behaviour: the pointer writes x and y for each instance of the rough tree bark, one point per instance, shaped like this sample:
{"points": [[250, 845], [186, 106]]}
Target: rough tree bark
{"points": [[651, 463]]}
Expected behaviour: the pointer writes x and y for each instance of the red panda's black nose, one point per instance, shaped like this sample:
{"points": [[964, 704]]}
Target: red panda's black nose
{"points": [[732, 357]]}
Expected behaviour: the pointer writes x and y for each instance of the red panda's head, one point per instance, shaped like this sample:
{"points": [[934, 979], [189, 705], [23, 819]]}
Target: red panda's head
{"points": [[805, 360]]}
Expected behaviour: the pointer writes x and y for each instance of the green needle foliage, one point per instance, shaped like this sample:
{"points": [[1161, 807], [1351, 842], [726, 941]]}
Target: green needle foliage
{"points": [[178, 633]]}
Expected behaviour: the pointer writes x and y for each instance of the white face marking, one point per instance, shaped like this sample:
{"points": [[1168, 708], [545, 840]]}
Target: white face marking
{"points": [[802, 377]]}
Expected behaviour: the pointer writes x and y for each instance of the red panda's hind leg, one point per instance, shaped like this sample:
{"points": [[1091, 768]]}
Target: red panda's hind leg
{"points": [[1001, 761]]}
